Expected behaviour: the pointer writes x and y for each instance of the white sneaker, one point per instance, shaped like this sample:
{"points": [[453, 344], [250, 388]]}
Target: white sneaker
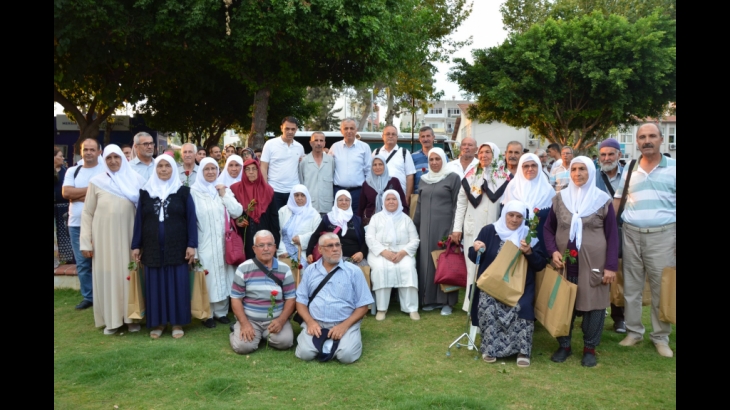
{"points": [[133, 327], [446, 310], [108, 331], [380, 315], [415, 316]]}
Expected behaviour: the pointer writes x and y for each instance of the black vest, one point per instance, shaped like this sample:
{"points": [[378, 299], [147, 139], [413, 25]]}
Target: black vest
{"points": [[176, 229]]}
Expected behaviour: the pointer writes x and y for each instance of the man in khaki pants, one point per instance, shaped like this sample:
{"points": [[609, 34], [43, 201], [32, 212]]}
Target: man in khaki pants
{"points": [[649, 234]]}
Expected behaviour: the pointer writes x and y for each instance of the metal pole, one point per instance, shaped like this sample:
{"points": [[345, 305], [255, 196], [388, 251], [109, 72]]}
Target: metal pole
{"points": [[413, 125], [371, 110]]}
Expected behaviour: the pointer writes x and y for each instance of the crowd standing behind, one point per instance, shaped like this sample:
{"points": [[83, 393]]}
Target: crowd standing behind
{"points": [[330, 212]]}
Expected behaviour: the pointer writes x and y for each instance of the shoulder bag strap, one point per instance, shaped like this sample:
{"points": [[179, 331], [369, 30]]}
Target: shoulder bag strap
{"points": [[269, 274], [321, 284], [608, 184], [624, 195], [391, 156]]}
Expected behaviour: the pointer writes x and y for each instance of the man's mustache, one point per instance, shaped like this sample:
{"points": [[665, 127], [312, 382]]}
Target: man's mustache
{"points": [[648, 145]]}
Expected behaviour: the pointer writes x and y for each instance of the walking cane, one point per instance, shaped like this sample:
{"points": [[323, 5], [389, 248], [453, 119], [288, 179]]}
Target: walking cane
{"points": [[470, 343]]}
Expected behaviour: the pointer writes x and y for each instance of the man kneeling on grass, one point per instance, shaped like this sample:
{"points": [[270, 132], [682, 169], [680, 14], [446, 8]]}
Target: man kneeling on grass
{"points": [[332, 299], [262, 298]]}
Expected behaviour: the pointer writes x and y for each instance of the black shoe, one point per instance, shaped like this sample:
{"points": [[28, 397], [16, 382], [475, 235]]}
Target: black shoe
{"points": [[619, 326], [561, 354], [209, 323], [589, 359], [232, 328], [85, 304], [223, 320]]}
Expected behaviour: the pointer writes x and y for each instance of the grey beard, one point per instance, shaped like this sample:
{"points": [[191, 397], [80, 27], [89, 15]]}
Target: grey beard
{"points": [[609, 167]]}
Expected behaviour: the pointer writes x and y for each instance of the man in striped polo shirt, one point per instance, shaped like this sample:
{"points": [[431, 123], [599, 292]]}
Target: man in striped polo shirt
{"points": [[256, 281], [649, 234]]}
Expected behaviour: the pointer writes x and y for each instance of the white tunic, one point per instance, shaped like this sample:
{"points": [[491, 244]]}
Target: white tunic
{"points": [[384, 273], [211, 240], [304, 231], [470, 221]]}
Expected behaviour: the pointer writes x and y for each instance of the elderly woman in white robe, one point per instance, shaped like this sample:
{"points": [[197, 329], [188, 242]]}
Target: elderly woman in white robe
{"points": [[298, 220], [393, 243], [232, 172], [107, 226], [214, 206]]}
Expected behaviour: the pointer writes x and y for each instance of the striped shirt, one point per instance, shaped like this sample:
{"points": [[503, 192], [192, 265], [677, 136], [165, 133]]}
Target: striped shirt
{"points": [[652, 200], [346, 291], [251, 284]]}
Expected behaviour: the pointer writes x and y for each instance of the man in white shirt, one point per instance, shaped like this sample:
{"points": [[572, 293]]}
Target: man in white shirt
{"points": [[279, 159], [512, 157], [560, 173], [467, 158], [543, 162], [188, 170], [316, 172], [144, 164], [399, 160], [74, 189], [352, 162]]}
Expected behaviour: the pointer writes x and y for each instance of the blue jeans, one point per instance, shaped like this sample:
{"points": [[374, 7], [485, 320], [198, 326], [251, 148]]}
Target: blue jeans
{"points": [[83, 265]]}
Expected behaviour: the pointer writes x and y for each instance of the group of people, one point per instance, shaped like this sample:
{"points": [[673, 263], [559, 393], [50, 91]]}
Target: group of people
{"points": [[341, 212]]}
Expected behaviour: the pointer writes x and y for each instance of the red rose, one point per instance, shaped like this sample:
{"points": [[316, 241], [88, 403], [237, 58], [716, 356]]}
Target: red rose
{"points": [[274, 292], [573, 253], [187, 173], [423, 169], [300, 266], [127, 277], [206, 271], [440, 244], [537, 211]]}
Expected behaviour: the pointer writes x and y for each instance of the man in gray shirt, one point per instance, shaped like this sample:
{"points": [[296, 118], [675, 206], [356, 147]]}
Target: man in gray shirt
{"points": [[144, 164], [316, 172]]}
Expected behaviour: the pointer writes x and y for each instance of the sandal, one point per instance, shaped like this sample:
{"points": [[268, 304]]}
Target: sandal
{"points": [[155, 334], [523, 361], [177, 332], [488, 359]]}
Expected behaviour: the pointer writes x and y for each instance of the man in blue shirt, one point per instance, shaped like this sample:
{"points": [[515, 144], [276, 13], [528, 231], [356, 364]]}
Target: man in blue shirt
{"points": [[331, 326], [352, 162]]}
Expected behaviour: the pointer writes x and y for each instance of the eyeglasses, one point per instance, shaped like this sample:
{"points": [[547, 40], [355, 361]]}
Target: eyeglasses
{"points": [[332, 246], [264, 245], [146, 144]]}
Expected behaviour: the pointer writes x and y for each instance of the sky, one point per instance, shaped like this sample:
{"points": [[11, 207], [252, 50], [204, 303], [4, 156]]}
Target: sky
{"points": [[485, 26]]}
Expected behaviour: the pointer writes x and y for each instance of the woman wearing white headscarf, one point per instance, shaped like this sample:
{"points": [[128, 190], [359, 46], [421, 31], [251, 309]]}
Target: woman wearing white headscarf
{"points": [[298, 220], [437, 194], [377, 182], [107, 224], [393, 242], [232, 172], [214, 206], [507, 330], [536, 193], [341, 221], [165, 238], [582, 220], [479, 201]]}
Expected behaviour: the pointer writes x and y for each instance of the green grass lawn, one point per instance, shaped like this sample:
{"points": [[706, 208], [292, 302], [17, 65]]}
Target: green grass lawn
{"points": [[403, 366]]}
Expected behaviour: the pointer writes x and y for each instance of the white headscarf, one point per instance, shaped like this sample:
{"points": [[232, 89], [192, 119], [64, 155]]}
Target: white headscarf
{"points": [[124, 183], [535, 193], [582, 201], [225, 178], [158, 188], [379, 182], [200, 184], [518, 234], [339, 217], [299, 214], [434, 177], [392, 217]]}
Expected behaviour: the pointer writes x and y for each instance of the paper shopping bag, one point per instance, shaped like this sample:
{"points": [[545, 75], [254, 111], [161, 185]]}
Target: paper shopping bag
{"points": [[450, 288], [200, 300], [366, 271], [668, 296], [504, 279], [555, 302], [135, 301], [295, 271], [435, 256]]}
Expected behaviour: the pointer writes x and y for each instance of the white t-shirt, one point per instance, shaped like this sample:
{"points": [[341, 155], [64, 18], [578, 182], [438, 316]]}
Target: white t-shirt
{"points": [[455, 166], [81, 181], [396, 166], [283, 163]]}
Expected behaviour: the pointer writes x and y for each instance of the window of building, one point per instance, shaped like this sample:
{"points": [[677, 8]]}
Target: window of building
{"points": [[436, 111], [672, 135], [454, 111], [434, 125], [626, 137]]}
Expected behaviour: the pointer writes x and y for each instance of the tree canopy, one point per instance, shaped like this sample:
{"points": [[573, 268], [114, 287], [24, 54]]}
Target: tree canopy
{"points": [[572, 80]]}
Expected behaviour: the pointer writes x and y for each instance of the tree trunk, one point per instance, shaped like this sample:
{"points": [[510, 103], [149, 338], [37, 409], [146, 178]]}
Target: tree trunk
{"points": [[256, 138], [108, 132], [365, 114], [391, 109], [87, 130]]}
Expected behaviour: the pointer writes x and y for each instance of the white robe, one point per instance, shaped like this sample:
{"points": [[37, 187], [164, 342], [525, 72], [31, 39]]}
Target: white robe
{"points": [[384, 273], [304, 232], [212, 243], [470, 221]]}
